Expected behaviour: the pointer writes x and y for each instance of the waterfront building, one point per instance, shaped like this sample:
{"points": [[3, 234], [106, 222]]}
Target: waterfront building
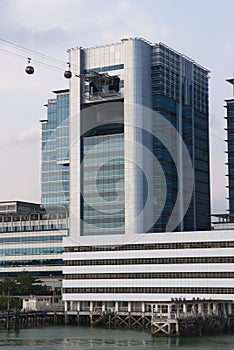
{"points": [[55, 153], [130, 273], [31, 240], [139, 166], [139, 118]]}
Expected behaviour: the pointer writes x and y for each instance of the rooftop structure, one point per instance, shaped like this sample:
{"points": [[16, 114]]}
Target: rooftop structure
{"points": [[18, 207]]}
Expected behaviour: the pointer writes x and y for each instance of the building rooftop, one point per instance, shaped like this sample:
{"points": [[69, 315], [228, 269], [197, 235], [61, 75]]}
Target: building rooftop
{"points": [[8, 207]]}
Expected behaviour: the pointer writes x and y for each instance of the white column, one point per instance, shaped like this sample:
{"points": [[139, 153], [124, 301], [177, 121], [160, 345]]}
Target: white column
{"points": [[116, 306], [65, 306], [185, 309], [103, 307], [78, 305], [91, 306], [208, 309], [143, 307], [129, 306], [215, 308]]}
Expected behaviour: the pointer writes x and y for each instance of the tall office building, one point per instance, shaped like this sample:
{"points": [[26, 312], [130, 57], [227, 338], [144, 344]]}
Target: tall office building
{"points": [[180, 94], [55, 153], [230, 149], [138, 139], [139, 165]]}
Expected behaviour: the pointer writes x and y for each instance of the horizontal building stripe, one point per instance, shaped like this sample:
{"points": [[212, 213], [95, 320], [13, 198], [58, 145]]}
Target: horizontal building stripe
{"points": [[152, 246], [180, 260], [153, 290], [149, 275]]}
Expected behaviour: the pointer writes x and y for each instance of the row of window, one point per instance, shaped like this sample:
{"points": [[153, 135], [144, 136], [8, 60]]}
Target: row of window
{"points": [[31, 251], [34, 217], [32, 228], [152, 246], [39, 274], [24, 239], [146, 275], [26, 263], [157, 261], [105, 68], [152, 290]]}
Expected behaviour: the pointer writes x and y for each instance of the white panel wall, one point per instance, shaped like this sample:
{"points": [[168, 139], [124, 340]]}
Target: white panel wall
{"points": [[75, 100]]}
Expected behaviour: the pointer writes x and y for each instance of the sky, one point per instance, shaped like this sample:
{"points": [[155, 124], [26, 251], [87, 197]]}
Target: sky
{"points": [[202, 30]]}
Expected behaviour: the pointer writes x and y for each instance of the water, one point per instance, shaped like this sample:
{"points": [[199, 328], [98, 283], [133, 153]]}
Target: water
{"points": [[74, 338]]}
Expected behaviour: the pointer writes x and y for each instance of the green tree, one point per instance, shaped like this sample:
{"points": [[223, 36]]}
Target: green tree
{"points": [[8, 288], [8, 284], [27, 284]]}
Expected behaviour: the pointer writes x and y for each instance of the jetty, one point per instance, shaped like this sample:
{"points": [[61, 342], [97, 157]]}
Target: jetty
{"points": [[178, 317]]}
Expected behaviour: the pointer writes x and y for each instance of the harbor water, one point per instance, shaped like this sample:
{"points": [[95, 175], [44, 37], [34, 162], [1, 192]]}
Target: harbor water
{"points": [[79, 338]]}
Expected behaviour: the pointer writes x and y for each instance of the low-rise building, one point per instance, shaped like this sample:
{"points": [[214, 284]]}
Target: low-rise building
{"points": [[32, 240]]}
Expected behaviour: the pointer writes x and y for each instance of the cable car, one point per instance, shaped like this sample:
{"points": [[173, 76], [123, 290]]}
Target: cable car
{"points": [[29, 69], [68, 73]]}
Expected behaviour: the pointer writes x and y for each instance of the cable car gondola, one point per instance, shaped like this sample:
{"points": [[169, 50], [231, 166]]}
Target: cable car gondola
{"points": [[68, 73], [29, 69]]}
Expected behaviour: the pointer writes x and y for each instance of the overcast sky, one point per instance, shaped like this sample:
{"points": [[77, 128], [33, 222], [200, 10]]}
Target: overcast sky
{"points": [[202, 30]]}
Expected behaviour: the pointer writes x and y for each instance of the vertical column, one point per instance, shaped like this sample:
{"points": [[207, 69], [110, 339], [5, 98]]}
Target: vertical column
{"points": [[91, 306], [185, 309], [129, 306], [143, 307], [137, 93], [229, 308], [199, 309], [103, 306], [116, 306], [169, 308], [208, 309], [177, 328], [66, 306], [78, 313], [74, 128], [215, 309], [177, 311], [78, 306], [71, 305], [224, 310]]}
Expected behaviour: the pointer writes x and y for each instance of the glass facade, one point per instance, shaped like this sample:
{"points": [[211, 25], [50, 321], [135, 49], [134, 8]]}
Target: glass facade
{"points": [[55, 153], [102, 180], [32, 241], [230, 144], [180, 94]]}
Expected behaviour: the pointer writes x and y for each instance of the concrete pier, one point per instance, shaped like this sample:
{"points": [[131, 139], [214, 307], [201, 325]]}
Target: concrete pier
{"points": [[191, 317], [179, 317]]}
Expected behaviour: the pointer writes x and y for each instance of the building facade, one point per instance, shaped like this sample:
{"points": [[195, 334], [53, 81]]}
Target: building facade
{"points": [[31, 240], [139, 166], [230, 148], [128, 273], [180, 93], [155, 102], [55, 153]]}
